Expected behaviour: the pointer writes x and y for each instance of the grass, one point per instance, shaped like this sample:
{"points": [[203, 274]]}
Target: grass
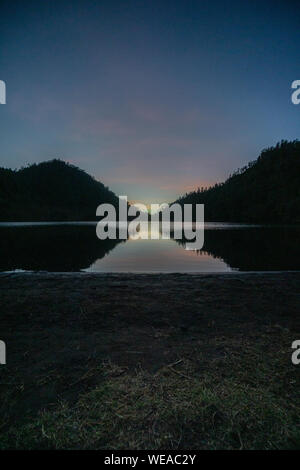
{"points": [[242, 402]]}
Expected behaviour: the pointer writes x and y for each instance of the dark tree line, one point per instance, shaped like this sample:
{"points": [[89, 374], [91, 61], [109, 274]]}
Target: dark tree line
{"points": [[52, 190], [267, 190]]}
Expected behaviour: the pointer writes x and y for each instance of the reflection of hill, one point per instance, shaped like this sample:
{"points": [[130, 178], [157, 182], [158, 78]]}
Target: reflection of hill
{"points": [[251, 249], [51, 248]]}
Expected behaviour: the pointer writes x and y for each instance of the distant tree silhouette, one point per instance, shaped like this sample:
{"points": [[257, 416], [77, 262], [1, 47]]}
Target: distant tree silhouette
{"points": [[52, 190], [266, 190]]}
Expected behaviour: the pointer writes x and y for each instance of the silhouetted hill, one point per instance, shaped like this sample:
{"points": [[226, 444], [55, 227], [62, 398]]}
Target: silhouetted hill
{"points": [[52, 190], [267, 190]]}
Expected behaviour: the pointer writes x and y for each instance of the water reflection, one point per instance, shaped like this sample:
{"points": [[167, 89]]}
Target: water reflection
{"points": [[254, 248], [75, 247], [49, 247]]}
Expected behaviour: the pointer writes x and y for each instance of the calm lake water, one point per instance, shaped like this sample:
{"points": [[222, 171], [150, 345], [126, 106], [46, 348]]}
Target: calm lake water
{"points": [[75, 247]]}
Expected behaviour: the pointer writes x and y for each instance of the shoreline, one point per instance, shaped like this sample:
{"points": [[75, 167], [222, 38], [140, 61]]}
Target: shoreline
{"points": [[145, 273]]}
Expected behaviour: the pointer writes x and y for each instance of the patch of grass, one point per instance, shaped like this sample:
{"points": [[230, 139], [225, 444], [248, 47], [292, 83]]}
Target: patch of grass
{"points": [[174, 408]]}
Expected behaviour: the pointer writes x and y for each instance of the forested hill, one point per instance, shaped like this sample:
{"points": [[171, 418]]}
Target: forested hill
{"points": [[52, 190], [267, 190]]}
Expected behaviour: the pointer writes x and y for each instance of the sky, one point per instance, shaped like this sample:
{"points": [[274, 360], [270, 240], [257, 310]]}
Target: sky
{"points": [[153, 98]]}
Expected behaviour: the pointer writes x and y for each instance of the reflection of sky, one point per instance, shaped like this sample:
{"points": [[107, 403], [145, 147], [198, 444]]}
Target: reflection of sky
{"points": [[153, 98], [156, 256]]}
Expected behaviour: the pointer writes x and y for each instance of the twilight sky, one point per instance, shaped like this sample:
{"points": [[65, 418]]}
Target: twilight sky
{"points": [[153, 98]]}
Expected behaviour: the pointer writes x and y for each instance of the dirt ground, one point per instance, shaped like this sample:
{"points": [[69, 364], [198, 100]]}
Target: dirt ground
{"points": [[60, 328]]}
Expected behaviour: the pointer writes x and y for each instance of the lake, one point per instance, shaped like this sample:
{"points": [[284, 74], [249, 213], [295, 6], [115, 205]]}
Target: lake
{"points": [[74, 246]]}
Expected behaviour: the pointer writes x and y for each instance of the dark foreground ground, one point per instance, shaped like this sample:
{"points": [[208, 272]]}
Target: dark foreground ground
{"points": [[149, 361]]}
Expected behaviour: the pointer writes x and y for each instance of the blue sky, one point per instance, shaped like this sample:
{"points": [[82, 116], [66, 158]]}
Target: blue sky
{"points": [[152, 98]]}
